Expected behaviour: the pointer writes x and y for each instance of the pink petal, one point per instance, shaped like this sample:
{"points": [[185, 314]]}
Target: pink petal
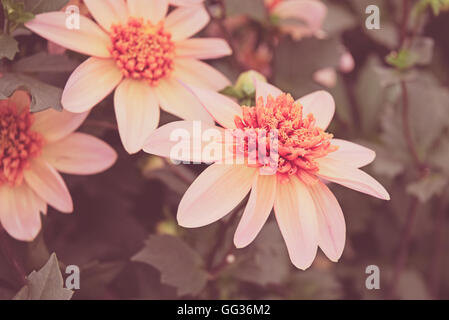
{"points": [[183, 23], [350, 177], [296, 216], [177, 100], [347, 62], [203, 48], [221, 108], [49, 185], [327, 77], [108, 12], [331, 222], [19, 212], [182, 3], [257, 210], [311, 12], [55, 125], [199, 74], [153, 10], [80, 153], [352, 154], [215, 193], [89, 39], [322, 105], [90, 83], [264, 90], [163, 141], [137, 111]]}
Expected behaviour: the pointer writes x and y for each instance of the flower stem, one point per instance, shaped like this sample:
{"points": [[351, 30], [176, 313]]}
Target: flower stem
{"points": [[11, 258]]}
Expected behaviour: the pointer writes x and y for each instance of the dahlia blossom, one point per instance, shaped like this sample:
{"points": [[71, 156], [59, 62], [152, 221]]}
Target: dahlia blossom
{"points": [[308, 157], [309, 16], [33, 148], [144, 53]]}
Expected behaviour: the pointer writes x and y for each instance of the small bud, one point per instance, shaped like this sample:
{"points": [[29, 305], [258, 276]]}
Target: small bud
{"points": [[246, 82]]}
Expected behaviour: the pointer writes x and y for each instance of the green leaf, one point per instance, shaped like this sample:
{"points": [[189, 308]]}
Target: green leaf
{"points": [[43, 62], [180, 266], [255, 9], [45, 284], [9, 47], [266, 260], [43, 95], [426, 188]]}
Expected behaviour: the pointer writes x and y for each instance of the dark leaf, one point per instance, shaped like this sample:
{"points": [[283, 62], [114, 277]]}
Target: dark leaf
{"points": [[43, 95], [179, 265], [45, 284]]}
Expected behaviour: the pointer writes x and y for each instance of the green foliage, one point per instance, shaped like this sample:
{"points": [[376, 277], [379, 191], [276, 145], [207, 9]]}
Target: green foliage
{"points": [[45, 284], [44, 96], [9, 47], [266, 260], [180, 266]]}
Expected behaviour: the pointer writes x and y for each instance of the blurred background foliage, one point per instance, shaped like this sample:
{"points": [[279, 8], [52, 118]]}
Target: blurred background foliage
{"points": [[123, 233]]}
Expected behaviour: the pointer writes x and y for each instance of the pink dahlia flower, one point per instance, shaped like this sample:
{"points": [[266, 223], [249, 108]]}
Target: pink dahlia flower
{"points": [[33, 148], [307, 212], [299, 18], [141, 52]]}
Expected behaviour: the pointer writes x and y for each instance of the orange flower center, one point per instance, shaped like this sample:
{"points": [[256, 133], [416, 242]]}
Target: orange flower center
{"points": [[299, 141], [18, 143], [142, 50]]}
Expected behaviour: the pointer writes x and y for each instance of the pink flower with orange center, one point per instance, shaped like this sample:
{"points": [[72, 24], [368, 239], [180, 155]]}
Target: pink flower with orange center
{"points": [[299, 18], [307, 212], [33, 148], [144, 53]]}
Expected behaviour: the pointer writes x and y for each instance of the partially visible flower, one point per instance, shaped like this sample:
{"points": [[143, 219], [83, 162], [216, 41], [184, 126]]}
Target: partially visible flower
{"points": [[145, 54], [299, 18], [307, 212], [327, 77], [33, 148]]}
